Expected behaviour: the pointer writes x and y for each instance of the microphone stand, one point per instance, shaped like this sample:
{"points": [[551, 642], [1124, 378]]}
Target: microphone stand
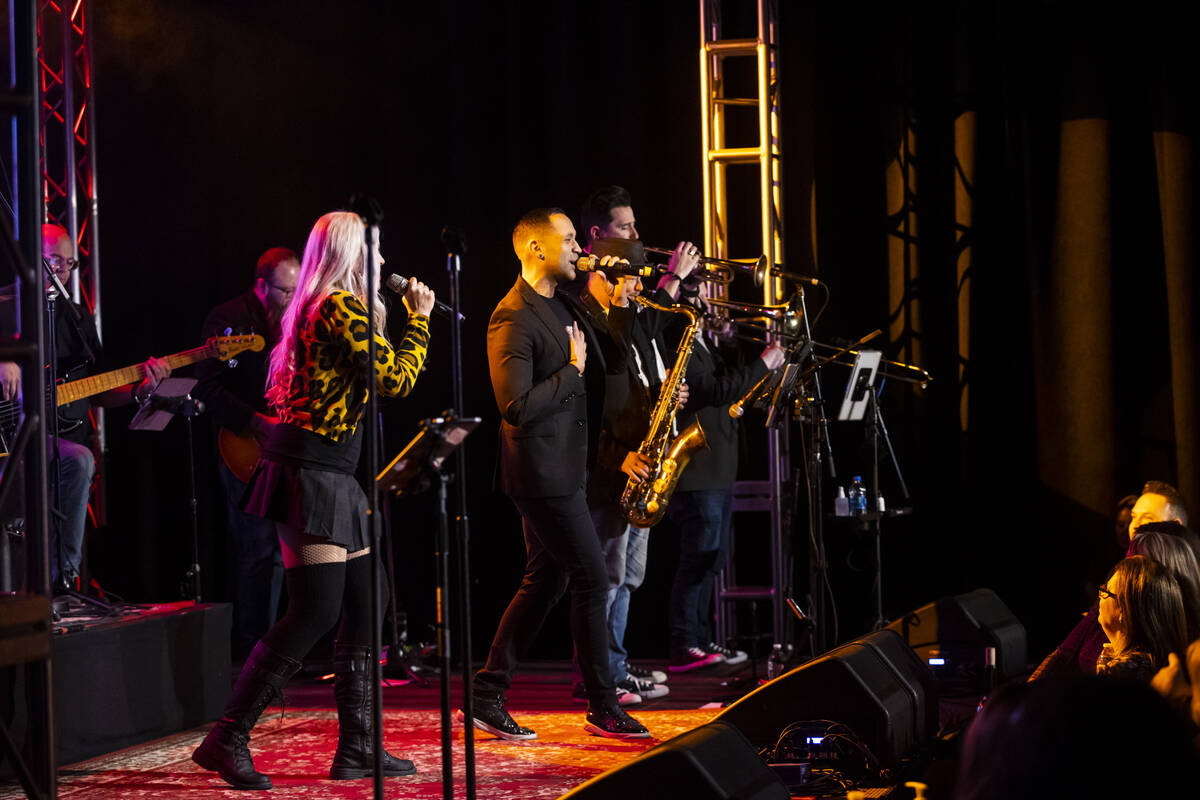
{"points": [[56, 291], [397, 659], [173, 398], [456, 246], [819, 446], [372, 214]]}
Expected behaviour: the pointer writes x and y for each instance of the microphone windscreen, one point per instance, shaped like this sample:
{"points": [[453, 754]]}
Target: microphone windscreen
{"points": [[397, 284]]}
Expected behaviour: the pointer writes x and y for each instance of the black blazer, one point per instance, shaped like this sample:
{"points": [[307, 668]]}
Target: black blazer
{"points": [[550, 416], [714, 385]]}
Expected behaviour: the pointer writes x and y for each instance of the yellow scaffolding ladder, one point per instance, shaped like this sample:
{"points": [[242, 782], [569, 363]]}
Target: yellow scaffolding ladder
{"points": [[718, 156], [716, 53]]}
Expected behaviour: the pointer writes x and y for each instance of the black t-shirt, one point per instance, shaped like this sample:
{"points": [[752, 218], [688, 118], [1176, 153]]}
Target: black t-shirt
{"points": [[559, 306]]}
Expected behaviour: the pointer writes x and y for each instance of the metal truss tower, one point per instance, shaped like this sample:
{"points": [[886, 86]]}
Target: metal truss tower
{"points": [[25, 633], [718, 104], [68, 162]]}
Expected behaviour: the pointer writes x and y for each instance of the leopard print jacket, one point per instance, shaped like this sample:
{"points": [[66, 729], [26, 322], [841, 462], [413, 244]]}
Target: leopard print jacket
{"points": [[327, 394]]}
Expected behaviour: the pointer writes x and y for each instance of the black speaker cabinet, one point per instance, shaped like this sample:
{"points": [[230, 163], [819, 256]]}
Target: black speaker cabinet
{"points": [[954, 631], [875, 684], [712, 762]]}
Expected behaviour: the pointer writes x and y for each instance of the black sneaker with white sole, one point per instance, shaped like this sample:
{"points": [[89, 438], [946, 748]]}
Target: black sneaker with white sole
{"points": [[624, 696], [490, 716], [691, 658], [730, 656], [645, 690], [611, 721], [642, 674]]}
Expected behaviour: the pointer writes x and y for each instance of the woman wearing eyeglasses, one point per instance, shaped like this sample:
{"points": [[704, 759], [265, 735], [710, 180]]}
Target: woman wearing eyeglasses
{"points": [[1141, 613]]}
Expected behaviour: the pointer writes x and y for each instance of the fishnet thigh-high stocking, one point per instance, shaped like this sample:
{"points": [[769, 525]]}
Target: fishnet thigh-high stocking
{"points": [[315, 571]]}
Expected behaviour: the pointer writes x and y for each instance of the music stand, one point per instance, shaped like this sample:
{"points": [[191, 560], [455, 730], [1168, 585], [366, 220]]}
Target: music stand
{"points": [[173, 398], [862, 403], [858, 388], [411, 472]]}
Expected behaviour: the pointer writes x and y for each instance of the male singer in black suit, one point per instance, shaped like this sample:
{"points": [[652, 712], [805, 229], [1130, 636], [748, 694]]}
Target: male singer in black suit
{"points": [[548, 374]]}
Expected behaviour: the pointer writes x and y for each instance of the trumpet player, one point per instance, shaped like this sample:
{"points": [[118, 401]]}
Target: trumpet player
{"points": [[548, 373], [702, 503], [607, 215]]}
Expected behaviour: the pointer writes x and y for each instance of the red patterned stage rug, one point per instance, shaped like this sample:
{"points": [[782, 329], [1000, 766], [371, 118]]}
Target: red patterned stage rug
{"points": [[296, 752]]}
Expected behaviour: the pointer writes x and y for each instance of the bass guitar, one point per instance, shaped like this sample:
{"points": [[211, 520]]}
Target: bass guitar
{"points": [[240, 453]]}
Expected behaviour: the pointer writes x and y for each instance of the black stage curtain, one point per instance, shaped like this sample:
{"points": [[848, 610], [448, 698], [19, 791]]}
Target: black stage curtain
{"points": [[1004, 188], [1007, 187]]}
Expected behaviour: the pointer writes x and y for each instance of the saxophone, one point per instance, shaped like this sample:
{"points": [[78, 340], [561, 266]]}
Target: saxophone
{"points": [[645, 501]]}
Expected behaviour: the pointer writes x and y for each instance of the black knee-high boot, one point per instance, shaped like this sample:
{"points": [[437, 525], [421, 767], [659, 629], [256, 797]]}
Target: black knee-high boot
{"points": [[225, 749], [352, 691]]}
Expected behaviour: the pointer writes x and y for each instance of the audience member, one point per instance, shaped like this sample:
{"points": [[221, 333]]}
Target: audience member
{"points": [[1078, 652], [1080, 738], [1141, 612], [1180, 684], [1174, 553], [1158, 502]]}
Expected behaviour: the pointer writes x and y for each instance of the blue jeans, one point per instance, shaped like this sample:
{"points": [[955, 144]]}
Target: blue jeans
{"points": [[257, 568], [703, 520], [76, 468], [624, 548]]}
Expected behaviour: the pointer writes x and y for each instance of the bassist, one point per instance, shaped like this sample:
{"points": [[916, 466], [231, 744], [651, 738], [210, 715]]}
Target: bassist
{"points": [[78, 354]]}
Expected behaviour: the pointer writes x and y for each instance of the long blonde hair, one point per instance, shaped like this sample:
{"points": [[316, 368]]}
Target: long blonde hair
{"points": [[335, 259]]}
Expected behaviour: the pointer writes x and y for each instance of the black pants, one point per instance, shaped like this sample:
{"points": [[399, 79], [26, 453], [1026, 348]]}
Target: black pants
{"points": [[561, 551]]}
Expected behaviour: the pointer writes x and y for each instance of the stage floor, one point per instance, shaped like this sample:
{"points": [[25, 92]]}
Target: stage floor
{"points": [[295, 750]]}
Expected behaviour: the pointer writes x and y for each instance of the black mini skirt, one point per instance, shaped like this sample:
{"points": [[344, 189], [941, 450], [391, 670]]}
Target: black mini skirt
{"points": [[307, 495]]}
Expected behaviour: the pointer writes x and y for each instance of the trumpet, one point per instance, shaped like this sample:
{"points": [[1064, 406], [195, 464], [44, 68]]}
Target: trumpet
{"points": [[623, 268], [723, 270]]}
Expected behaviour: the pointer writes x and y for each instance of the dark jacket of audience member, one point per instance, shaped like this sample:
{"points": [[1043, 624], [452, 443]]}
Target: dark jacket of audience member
{"points": [[1087, 737]]}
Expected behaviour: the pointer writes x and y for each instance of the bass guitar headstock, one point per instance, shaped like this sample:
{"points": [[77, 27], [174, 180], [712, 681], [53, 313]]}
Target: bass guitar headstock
{"points": [[226, 347]]}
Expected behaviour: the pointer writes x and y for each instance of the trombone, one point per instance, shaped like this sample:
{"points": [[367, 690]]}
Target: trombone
{"points": [[788, 315], [783, 321], [909, 373]]}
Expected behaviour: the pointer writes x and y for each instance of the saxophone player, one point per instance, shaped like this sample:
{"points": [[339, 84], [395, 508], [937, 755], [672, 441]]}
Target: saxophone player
{"points": [[608, 215], [548, 373]]}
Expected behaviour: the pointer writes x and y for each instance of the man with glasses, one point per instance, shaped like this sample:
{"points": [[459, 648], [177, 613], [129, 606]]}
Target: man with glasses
{"points": [[78, 354], [234, 395]]}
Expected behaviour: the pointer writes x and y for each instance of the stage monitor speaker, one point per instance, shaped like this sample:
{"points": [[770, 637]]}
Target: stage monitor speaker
{"points": [[954, 631], [712, 762], [875, 685]]}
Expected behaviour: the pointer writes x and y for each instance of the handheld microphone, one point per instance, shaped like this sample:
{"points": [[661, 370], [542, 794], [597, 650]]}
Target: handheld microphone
{"points": [[592, 264], [400, 286]]}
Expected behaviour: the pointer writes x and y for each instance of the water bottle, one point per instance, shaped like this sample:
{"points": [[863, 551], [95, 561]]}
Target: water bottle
{"points": [[841, 504], [858, 496], [776, 663]]}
